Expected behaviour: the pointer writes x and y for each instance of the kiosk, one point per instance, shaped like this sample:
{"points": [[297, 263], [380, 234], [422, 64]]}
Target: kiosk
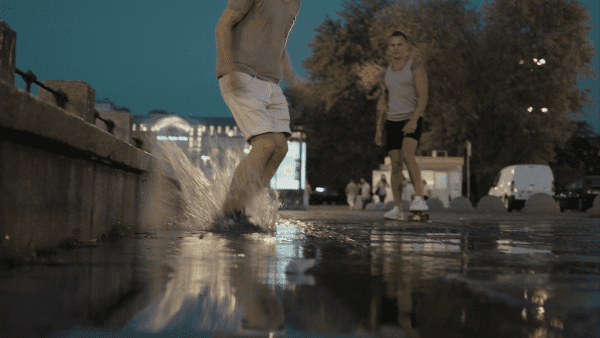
{"points": [[443, 175]]}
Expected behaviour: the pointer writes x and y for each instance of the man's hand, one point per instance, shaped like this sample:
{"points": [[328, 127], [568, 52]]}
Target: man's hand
{"points": [[234, 82], [302, 85], [410, 127], [370, 74], [379, 138]]}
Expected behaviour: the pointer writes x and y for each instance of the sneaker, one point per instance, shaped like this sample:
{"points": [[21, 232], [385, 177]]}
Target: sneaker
{"points": [[394, 214], [418, 204], [249, 332], [235, 221]]}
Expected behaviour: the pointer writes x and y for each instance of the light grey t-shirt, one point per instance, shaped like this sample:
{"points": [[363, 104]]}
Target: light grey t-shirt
{"points": [[402, 93], [259, 38]]}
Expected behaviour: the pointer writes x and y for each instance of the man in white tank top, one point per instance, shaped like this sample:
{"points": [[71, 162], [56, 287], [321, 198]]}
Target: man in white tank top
{"points": [[402, 97]]}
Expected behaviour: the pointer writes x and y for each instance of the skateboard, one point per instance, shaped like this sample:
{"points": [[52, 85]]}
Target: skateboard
{"points": [[417, 216]]}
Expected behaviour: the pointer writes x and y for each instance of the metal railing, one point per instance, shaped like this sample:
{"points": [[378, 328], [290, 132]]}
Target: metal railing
{"points": [[29, 78], [60, 96], [110, 124]]}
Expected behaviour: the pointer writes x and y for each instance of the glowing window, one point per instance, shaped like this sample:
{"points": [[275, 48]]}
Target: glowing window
{"points": [[441, 180]]}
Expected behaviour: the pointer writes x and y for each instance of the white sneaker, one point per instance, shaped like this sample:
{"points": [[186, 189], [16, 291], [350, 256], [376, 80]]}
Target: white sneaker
{"points": [[394, 214], [418, 204]]}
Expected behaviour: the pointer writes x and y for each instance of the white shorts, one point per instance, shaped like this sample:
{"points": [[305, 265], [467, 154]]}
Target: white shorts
{"points": [[258, 107]]}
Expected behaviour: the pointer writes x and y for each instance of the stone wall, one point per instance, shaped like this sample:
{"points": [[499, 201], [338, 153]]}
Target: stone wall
{"points": [[64, 179]]}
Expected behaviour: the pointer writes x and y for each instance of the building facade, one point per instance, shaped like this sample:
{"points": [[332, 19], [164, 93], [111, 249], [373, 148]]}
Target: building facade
{"points": [[442, 174], [200, 138]]}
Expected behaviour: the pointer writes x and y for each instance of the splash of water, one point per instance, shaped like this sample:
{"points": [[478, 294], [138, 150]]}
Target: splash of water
{"points": [[205, 187]]}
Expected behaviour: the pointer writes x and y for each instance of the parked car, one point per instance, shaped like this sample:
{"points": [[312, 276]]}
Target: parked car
{"points": [[580, 195], [514, 184], [326, 196]]}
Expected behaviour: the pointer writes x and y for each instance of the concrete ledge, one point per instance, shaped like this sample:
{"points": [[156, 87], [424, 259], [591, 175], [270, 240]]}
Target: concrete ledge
{"points": [[540, 203], [64, 180], [123, 123], [81, 97], [24, 112]]}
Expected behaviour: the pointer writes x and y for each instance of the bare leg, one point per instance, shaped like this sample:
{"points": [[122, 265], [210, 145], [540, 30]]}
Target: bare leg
{"points": [[281, 149], [409, 147], [397, 177], [255, 170]]}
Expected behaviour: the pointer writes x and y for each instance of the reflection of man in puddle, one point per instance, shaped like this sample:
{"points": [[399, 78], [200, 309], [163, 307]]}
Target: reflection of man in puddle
{"points": [[262, 310], [226, 293]]}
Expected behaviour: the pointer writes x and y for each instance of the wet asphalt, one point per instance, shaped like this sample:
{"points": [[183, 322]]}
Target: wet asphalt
{"points": [[328, 272]]}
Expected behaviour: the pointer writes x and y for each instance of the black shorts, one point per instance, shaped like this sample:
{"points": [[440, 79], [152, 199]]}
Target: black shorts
{"points": [[395, 135]]}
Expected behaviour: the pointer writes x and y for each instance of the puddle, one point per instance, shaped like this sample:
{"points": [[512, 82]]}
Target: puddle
{"points": [[314, 279]]}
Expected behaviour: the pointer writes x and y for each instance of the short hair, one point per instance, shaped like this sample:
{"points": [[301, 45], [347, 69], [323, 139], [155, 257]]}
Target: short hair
{"points": [[399, 33]]}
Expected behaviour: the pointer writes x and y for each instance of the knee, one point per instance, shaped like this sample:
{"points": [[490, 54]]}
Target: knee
{"points": [[272, 144], [407, 156], [280, 146], [396, 167]]}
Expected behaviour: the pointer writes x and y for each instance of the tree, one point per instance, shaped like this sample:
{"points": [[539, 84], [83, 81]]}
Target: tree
{"points": [[524, 105], [484, 83], [579, 157], [340, 122]]}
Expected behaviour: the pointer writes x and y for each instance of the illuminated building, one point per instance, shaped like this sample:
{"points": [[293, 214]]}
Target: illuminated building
{"points": [[443, 175], [199, 137], [106, 105]]}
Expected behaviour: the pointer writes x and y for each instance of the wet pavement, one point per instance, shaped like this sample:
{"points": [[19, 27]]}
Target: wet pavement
{"points": [[349, 274]]}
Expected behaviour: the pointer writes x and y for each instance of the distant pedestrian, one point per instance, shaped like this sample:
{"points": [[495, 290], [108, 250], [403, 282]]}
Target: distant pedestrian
{"points": [[425, 190], [351, 192], [381, 188], [365, 192], [401, 90], [251, 60]]}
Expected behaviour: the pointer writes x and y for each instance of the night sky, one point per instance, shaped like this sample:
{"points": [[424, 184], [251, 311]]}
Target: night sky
{"points": [[150, 54]]}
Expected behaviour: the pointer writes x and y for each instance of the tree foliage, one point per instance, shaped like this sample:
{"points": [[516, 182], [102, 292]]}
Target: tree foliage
{"points": [[484, 83], [578, 157]]}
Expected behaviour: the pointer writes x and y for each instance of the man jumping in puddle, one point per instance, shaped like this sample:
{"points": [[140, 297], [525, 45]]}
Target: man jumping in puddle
{"points": [[402, 97], [251, 60]]}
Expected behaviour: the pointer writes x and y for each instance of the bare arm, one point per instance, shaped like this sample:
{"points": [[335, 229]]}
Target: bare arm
{"points": [[382, 108], [228, 20], [370, 74], [422, 89], [289, 73]]}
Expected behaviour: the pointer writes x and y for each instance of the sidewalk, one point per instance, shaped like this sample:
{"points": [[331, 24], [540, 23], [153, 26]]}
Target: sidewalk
{"points": [[341, 213]]}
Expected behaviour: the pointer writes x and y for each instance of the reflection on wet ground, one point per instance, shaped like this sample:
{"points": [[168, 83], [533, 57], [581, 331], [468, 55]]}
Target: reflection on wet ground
{"points": [[366, 278]]}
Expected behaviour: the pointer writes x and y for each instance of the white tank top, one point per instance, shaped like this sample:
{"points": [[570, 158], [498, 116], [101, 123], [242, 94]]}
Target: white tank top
{"points": [[402, 93]]}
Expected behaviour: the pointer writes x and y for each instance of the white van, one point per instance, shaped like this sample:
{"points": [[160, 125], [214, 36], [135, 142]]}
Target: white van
{"points": [[516, 183]]}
